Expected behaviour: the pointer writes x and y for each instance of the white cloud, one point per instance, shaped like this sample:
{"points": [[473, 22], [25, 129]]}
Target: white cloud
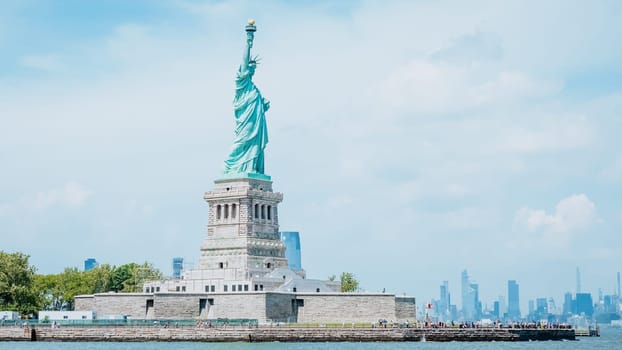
{"points": [[553, 237], [470, 48], [438, 87], [572, 214], [558, 133], [44, 62], [71, 195]]}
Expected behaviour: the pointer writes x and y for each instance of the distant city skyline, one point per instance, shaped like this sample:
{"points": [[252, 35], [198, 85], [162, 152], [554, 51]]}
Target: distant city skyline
{"points": [[576, 302]]}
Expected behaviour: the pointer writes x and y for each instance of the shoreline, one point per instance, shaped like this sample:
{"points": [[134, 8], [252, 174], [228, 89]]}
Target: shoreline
{"points": [[280, 334]]}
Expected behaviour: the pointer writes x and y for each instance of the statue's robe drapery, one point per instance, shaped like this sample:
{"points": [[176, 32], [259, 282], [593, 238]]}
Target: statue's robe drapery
{"points": [[251, 131]]}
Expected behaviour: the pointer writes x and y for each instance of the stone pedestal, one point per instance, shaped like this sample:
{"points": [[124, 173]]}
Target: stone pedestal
{"points": [[243, 230]]}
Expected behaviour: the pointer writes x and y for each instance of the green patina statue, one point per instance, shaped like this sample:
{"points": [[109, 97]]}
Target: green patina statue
{"points": [[251, 132]]}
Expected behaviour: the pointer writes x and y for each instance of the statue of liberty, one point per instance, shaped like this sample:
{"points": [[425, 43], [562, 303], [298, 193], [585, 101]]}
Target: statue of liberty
{"points": [[251, 132]]}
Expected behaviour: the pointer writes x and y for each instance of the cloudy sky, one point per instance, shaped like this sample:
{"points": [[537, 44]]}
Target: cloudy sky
{"points": [[411, 139]]}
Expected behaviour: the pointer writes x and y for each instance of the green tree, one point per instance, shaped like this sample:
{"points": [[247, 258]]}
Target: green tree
{"points": [[57, 292], [100, 278], [72, 282], [16, 282], [23, 291], [120, 275], [349, 283], [147, 272], [130, 277], [46, 289]]}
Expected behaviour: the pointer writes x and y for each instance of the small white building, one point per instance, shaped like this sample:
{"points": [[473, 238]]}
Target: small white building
{"points": [[9, 315], [66, 315]]}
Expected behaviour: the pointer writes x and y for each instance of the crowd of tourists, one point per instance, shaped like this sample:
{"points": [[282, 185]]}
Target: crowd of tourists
{"points": [[494, 324], [382, 323]]}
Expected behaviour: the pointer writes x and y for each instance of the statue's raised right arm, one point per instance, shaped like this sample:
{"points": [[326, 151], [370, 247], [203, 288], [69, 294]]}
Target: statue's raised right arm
{"points": [[250, 36]]}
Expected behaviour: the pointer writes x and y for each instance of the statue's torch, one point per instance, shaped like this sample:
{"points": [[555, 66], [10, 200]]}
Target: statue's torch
{"points": [[250, 28]]}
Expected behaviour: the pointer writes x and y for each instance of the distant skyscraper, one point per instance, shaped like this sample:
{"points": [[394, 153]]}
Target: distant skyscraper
{"points": [[584, 304], [568, 304], [619, 284], [513, 301], [608, 304], [292, 249], [503, 309], [178, 265], [495, 309], [478, 304], [550, 306], [578, 280], [464, 288], [445, 301], [453, 312], [542, 307], [470, 298], [90, 264]]}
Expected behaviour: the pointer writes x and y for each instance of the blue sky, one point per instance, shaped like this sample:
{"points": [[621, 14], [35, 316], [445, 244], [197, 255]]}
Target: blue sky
{"points": [[411, 139]]}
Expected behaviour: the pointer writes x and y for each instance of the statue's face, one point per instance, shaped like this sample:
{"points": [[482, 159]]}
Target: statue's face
{"points": [[251, 68]]}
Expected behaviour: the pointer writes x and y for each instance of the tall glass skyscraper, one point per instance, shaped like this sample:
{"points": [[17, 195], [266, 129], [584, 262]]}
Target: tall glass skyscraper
{"points": [[584, 304], [90, 264], [178, 265], [513, 302], [292, 249]]}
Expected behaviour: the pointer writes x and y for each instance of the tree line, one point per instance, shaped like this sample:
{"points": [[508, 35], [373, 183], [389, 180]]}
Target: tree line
{"points": [[25, 291]]}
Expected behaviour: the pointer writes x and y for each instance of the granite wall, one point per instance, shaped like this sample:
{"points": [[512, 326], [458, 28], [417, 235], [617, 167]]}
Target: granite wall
{"points": [[405, 309], [345, 307], [265, 307]]}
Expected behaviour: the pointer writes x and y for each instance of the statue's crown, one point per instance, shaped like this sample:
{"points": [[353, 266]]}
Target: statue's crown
{"points": [[255, 60]]}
